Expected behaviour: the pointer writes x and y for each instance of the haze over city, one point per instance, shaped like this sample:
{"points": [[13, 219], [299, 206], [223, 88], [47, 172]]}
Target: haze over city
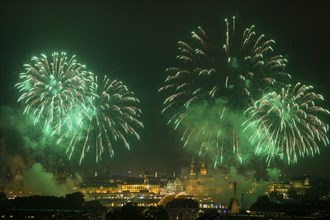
{"points": [[135, 43]]}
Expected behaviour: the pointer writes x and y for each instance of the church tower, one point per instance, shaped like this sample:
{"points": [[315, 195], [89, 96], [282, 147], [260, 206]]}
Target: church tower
{"points": [[192, 175], [192, 182], [234, 208], [146, 177], [18, 183], [203, 170]]}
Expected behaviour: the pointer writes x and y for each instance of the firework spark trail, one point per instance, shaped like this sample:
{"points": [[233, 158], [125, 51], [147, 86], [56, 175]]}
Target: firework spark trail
{"points": [[238, 73], [68, 102], [53, 89], [288, 124], [114, 117]]}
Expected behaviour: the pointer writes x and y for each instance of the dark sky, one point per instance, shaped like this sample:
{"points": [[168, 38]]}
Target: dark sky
{"points": [[136, 41]]}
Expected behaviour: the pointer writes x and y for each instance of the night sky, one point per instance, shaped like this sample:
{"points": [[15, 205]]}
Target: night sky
{"points": [[136, 41]]}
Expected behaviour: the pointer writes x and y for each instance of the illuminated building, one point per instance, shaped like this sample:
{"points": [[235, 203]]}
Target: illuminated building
{"points": [[95, 189], [299, 185], [173, 186], [116, 193], [203, 170], [200, 185], [16, 187], [137, 186], [192, 187]]}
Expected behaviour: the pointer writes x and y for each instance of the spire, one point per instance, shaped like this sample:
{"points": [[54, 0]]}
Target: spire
{"points": [[203, 170], [192, 175], [234, 209], [235, 190], [146, 177]]}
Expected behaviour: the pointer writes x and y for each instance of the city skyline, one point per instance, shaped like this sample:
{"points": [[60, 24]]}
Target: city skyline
{"points": [[136, 42]]}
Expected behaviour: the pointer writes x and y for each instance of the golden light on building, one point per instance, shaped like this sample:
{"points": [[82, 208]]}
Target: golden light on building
{"points": [[203, 170]]}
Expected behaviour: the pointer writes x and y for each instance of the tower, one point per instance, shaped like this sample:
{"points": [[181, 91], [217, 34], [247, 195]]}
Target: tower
{"points": [[192, 183], [146, 177], [203, 170], [234, 208], [18, 183], [192, 175], [60, 174]]}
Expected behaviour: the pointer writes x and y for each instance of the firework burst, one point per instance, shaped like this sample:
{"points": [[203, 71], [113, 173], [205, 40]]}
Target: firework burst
{"points": [[114, 116], [287, 124], [70, 104], [236, 73], [53, 88]]}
